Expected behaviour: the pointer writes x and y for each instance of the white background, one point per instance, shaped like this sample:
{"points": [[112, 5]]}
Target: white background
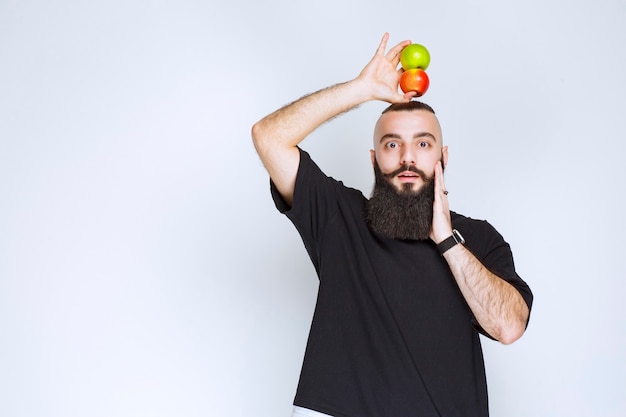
{"points": [[143, 268]]}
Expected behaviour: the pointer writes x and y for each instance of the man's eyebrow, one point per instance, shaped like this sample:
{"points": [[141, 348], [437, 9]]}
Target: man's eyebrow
{"points": [[424, 134], [389, 136], [415, 136]]}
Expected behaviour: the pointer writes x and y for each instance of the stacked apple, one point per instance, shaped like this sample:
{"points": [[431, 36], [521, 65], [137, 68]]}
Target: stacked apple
{"points": [[414, 58]]}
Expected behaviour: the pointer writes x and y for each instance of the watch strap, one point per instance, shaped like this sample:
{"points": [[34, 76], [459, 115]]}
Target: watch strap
{"points": [[449, 242]]}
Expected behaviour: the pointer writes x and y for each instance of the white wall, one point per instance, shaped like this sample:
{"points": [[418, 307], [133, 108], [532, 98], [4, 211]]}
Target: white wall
{"points": [[143, 268]]}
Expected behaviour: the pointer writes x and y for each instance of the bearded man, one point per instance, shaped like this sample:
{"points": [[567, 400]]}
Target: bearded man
{"points": [[406, 286]]}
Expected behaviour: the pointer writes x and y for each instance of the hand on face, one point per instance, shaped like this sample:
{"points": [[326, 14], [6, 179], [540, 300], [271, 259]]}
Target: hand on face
{"points": [[442, 224]]}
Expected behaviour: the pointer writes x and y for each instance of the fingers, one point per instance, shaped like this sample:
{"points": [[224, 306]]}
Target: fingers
{"points": [[441, 194], [382, 75], [383, 45], [394, 53], [442, 226], [440, 185]]}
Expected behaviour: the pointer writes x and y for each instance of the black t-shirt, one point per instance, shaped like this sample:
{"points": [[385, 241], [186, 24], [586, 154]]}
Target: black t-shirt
{"points": [[391, 334]]}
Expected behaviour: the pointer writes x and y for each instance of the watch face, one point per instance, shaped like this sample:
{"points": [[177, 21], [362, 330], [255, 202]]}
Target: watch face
{"points": [[457, 236]]}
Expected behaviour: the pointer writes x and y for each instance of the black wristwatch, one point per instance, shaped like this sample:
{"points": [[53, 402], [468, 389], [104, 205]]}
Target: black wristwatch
{"points": [[446, 244]]}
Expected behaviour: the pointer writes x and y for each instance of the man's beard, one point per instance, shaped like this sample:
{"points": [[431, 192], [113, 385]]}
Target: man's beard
{"points": [[401, 214]]}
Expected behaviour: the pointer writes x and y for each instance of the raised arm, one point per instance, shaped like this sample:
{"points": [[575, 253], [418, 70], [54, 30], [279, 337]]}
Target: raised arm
{"points": [[277, 135]]}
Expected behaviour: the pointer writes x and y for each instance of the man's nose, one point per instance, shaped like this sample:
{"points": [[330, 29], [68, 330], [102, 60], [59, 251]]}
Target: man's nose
{"points": [[409, 156]]}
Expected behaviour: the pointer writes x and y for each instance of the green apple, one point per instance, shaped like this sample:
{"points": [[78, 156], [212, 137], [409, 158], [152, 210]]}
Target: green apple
{"points": [[415, 56]]}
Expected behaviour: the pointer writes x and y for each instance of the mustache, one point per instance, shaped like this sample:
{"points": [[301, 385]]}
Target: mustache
{"points": [[405, 168]]}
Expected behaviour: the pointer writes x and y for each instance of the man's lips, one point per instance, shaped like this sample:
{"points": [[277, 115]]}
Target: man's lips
{"points": [[408, 176]]}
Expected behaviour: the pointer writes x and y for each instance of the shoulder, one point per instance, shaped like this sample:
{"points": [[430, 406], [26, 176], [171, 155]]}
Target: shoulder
{"points": [[480, 236], [310, 171], [471, 225], [314, 190]]}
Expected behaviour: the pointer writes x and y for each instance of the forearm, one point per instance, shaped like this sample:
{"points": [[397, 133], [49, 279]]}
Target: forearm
{"points": [[290, 125], [497, 305]]}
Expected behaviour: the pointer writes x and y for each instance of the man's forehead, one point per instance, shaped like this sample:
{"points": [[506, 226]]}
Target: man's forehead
{"points": [[407, 122]]}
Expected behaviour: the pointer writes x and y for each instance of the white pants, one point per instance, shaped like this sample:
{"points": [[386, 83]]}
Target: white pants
{"points": [[305, 412]]}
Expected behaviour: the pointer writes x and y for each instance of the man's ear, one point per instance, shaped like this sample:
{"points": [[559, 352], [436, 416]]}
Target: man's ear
{"points": [[444, 155], [373, 156]]}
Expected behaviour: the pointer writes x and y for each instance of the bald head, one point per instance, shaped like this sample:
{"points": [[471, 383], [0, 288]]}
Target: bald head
{"points": [[398, 117]]}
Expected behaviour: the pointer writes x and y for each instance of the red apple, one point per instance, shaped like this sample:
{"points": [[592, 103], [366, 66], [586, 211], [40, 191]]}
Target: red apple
{"points": [[414, 80]]}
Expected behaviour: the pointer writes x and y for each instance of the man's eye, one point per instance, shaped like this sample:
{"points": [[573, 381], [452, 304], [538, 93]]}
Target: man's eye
{"points": [[423, 144], [392, 145]]}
